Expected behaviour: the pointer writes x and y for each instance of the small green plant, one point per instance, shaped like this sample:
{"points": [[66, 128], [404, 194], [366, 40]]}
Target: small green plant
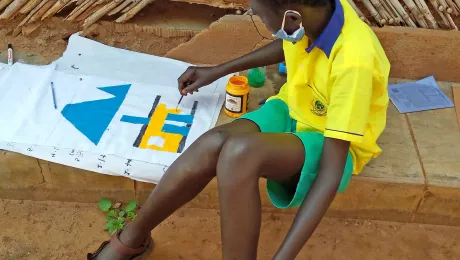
{"points": [[117, 218]]}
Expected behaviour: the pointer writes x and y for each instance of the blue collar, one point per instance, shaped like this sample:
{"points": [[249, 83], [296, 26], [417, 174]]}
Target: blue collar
{"points": [[331, 32]]}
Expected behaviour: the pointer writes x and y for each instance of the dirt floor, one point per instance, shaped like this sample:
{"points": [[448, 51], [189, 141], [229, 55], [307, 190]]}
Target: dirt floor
{"points": [[57, 230]]}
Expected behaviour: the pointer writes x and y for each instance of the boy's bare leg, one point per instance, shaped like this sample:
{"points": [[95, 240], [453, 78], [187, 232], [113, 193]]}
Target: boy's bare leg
{"points": [[242, 161], [183, 181]]}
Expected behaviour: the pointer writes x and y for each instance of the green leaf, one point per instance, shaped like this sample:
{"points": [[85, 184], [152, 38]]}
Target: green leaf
{"points": [[111, 213], [131, 214], [112, 230], [108, 226], [109, 219], [120, 226], [131, 206], [121, 220], [105, 204], [121, 214], [114, 221]]}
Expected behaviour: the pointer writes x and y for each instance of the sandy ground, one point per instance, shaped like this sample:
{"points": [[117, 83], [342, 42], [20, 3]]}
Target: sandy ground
{"points": [[57, 230]]}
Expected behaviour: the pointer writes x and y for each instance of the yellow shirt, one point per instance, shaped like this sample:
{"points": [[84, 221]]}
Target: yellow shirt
{"points": [[338, 84]]}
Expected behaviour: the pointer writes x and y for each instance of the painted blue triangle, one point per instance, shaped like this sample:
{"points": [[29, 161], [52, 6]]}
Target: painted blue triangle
{"points": [[92, 118]]}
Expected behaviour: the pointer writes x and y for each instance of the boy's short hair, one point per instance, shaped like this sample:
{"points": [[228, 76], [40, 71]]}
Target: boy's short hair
{"points": [[304, 2]]}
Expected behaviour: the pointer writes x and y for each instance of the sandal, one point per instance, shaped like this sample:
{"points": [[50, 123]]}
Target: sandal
{"points": [[140, 253]]}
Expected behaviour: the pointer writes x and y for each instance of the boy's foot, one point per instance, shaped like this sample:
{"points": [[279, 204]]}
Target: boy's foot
{"points": [[115, 250]]}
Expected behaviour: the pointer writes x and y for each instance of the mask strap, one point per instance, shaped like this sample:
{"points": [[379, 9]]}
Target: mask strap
{"points": [[284, 17]]}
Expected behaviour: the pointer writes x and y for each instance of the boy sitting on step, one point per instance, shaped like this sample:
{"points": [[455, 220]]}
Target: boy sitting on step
{"points": [[307, 141]]}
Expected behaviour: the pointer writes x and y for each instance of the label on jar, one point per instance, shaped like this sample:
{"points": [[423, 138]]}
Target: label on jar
{"points": [[233, 103]]}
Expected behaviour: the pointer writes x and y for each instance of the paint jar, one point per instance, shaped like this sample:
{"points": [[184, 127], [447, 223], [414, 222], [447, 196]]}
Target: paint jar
{"points": [[236, 98], [256, 77]]}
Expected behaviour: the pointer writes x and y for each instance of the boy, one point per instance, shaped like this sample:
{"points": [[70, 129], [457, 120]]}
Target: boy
{"points": [[306, 141]]}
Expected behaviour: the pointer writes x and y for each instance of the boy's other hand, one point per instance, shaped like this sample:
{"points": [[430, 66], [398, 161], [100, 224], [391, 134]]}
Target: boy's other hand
{"points": [[196, 77]]}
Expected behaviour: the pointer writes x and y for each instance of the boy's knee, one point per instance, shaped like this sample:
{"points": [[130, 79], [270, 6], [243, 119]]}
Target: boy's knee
{"points": [[238, 159]]}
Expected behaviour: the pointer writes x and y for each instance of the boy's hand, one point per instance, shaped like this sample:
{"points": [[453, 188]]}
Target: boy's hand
{"points": [[196, 77]]}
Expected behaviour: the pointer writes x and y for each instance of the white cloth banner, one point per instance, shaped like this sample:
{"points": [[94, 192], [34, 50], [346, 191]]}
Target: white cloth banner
{"points": [[116, 111]]}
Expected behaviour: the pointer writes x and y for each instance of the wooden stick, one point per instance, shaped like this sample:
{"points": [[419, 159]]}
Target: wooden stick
{"points": [[69, 3], [381, 21], [443, 4], [95, 6], [402, 12], [55, 8], [394, 17], [457, 2], [131, 13], [89, 11], [432, 23], [133, 4], [83, 7], [451, 22], [120, 8], [453, 7], [445, 22], [416, 13], [27, 8], [38, 15], [80, 5], [13, 9], [35, 10], [101, 12], [398, 18], [4, 3], [378, 6]]}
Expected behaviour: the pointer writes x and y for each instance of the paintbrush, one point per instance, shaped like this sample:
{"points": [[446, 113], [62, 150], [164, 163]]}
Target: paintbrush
{"points": [[180, 100]]}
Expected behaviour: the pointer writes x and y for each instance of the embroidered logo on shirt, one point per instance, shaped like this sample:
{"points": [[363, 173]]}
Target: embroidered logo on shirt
{"points": [[318, 108]]}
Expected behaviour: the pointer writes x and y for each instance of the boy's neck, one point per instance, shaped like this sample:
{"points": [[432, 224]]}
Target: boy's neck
{"points": [[315, 19]]}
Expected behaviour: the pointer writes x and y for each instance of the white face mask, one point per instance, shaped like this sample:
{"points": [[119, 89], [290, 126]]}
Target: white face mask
{"points": [[294, 37]]}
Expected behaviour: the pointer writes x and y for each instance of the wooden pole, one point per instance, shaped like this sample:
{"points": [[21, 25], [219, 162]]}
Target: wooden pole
{"points": [[453, 7], [27, 8], [451, 22], [120, 8], [457, 2], [402, 12], [432, 23], [80, 10], [131, 6], [89, 11], [358, 11], [131, 13], [13, 9], [381, 21], [399, 19], [100, 13], [394, 17], [4, 3], [77, 8], [35, 10], [39, 14], [55, 8], [445, 22]]}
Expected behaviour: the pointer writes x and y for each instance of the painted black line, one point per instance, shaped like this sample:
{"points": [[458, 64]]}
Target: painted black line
{"points": [[184, 139], [138, 141]]}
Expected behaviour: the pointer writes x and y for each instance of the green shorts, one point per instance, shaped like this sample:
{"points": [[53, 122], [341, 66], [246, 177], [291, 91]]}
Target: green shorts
{"points": [[274, 117]]}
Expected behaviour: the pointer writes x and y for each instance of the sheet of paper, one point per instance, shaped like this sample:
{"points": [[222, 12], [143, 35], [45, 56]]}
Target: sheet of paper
{"points": [[101, 115], [85, 58], [456, 90], [417, 96]]}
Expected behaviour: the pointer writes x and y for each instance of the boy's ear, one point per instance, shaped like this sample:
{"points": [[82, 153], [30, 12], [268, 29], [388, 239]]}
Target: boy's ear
{"points": [[293, 18]]}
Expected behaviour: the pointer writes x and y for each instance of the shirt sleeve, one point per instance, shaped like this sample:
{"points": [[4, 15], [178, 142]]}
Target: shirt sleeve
{"points": [[350, 101]]}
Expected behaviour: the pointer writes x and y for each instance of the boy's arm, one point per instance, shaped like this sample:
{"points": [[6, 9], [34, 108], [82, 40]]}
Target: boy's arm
{"points": [[196, 77], [318, 199]]}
